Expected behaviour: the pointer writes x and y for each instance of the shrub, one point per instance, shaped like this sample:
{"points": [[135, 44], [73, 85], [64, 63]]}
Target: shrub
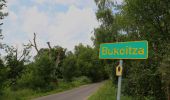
{"points": [[39, 75], [80, 80]]}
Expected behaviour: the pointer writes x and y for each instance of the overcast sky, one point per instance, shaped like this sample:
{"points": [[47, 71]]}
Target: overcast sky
{"points": [[62, 22]]}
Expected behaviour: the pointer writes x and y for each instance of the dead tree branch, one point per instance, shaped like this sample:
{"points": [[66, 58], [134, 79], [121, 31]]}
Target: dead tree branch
{"points": [[34, 44], [48, 43], [58, 59]]}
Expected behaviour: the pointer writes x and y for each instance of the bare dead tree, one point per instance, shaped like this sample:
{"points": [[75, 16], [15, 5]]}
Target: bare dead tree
{"points": [[24, 54], [58, 59], [48, 43], [16, 53], [50, 50], [58, 55], [34, 44]]}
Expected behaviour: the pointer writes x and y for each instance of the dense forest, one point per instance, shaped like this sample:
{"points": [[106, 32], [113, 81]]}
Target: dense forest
{"points": [[133, 20]]}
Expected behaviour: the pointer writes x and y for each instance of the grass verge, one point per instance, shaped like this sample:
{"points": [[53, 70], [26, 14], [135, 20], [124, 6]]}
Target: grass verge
{"points": [[107, 92]]}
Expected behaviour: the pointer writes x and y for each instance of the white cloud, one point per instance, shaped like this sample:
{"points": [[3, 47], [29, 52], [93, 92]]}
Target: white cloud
{"points": [[13, 17], [87, 3], [11, 2], [67, 2], [40, 1], [77, 3], [73, 27], [33, 20], [66, 29]]}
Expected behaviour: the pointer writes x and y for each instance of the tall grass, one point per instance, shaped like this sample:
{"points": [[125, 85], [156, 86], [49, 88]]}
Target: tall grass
{"points": [[8, 94], [107, 92], [28, 94]]}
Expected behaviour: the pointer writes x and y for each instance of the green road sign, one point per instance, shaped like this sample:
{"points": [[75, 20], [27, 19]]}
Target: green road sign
{"points": [[124, 50]]}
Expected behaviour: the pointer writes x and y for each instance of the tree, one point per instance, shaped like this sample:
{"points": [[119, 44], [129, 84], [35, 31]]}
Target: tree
{"points": [[69, 67], [3, 76], [38, 74], [3, 70], [83, 62], [164, 70], [56, 54], [43, 72], [137, 20], [34, 44], [15, 62], [2, 16], [149, 22]]}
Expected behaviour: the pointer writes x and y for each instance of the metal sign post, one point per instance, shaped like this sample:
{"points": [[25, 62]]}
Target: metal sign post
{"points": [[119, 81], [123, 50]]}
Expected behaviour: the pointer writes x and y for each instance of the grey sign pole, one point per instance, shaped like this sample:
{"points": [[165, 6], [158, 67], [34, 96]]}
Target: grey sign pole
{"points": [[119, 81]]}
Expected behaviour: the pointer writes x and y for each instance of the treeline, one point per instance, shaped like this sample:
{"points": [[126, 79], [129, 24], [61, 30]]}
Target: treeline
{"points": [[136, 20], [48, 67], [20, 70]]}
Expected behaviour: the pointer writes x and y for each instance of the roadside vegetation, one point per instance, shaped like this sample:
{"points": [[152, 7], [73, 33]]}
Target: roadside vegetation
{"points": [[136, 20], [28, 94], [107, 92], [53, 68]]}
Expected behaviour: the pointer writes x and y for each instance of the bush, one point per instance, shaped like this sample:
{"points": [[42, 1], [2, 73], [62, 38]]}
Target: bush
{"points": [[69, 68], [3, 79], [80, 80], [43, 72], [16, 95], [39, 75]]}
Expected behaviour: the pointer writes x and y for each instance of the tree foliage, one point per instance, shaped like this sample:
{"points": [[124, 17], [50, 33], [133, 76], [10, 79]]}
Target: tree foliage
{"points": [[3, 75], [138, 20], [83, 62]]}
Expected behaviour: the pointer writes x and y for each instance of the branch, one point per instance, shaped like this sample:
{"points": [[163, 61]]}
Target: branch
{"points": [[16, 53], [34, 44], [23, 54], [58, 59], [48, 43], [50, 49]]}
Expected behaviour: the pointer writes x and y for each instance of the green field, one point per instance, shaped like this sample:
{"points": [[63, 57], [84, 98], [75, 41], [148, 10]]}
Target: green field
{"points": [[107, 92]]}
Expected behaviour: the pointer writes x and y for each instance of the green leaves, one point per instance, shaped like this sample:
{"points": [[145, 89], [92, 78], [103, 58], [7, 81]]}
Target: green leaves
{"points": [[83, 62], [138, 20]]}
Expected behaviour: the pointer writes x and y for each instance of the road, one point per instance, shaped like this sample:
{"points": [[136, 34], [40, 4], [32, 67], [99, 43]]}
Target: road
{"points": [[81, 93]]}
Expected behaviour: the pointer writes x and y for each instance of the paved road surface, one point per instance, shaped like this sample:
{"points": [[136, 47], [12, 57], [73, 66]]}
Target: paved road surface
{"points": [[81, 93]]}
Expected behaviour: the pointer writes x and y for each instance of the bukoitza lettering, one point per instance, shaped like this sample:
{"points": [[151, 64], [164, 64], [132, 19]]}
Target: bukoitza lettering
{"points": [[123, 51]]}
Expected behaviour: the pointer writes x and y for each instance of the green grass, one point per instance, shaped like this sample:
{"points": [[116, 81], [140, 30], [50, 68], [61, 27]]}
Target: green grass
{"points": [[107, 92], [28, 94]]}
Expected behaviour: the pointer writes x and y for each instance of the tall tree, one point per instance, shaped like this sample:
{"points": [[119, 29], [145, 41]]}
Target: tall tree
{"points": [[2, 14], [137, 20], [15, 62], [164, 69], [3, 70], [149, 21]]}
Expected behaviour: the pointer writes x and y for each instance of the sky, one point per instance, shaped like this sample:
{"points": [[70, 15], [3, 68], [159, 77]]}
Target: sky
{"points": [[61, 22]]}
